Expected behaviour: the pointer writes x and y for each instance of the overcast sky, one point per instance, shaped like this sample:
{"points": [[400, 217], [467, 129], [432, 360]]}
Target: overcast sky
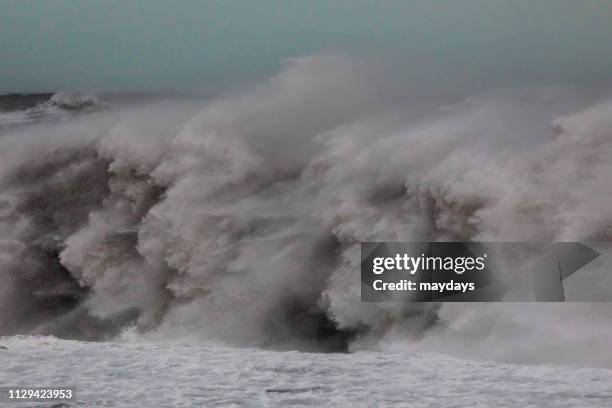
{"points": [[197, 45]]}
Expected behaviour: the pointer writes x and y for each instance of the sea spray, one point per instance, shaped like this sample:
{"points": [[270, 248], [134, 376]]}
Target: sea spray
{"points": [[239, 217]]}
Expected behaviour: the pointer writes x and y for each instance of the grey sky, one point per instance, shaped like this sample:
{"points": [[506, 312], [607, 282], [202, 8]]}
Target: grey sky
{"points": [[160, 45]]}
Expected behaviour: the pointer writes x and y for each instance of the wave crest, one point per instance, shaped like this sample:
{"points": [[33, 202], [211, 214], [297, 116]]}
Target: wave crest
{"points": [[241, 219]]}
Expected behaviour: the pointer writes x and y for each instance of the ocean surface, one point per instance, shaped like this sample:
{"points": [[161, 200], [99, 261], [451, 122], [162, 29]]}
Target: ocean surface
{"points": [[144, 374]]}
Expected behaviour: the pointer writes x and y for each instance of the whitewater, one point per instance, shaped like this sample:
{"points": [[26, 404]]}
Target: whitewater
{"points": [[208, 248], [112, 374]]}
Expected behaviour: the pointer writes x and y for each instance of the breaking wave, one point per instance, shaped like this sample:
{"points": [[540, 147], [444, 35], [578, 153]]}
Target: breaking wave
{"points": [[18, 110], [239, 218]]}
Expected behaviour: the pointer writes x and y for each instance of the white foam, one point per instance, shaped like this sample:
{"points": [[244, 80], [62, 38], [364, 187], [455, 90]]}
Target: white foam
{"points": [[232, 219]]}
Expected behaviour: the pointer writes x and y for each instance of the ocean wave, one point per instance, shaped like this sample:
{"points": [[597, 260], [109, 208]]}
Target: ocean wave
{"points": [[239, 218], [16, 110]]}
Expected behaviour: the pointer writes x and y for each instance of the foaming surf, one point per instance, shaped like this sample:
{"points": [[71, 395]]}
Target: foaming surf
{"points": [[238, 218]]}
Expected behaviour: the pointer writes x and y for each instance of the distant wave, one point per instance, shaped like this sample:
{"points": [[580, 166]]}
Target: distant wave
{"points": [[239, 218], [24, 109], [77, 102]]}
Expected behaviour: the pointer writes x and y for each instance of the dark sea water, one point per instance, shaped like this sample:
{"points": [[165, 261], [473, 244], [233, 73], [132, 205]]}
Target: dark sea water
{"points": [[18, 102]]}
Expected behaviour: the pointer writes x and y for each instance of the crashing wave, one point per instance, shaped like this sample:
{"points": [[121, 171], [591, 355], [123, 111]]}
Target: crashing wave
{"points": [[58, 106], [77, 102], [240, 218]]}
